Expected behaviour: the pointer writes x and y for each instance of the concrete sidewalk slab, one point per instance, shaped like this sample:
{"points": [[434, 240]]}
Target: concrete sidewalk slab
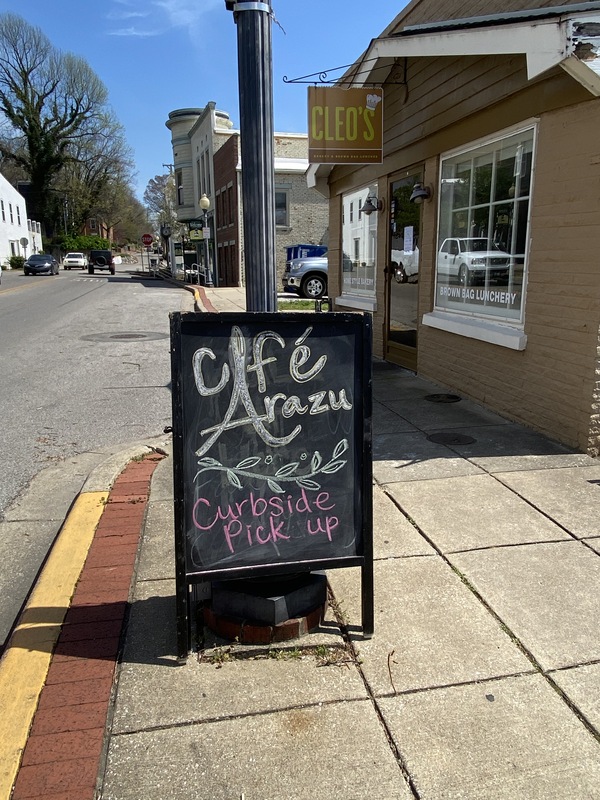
{"points": [[497, 740], [299, 753], [387, 421], [157, 558], [546, 594], [411, 457], [508, 447], [582, 687], [393, 534], [570, 496], [432, 416], [430, 629], [472, 511]]}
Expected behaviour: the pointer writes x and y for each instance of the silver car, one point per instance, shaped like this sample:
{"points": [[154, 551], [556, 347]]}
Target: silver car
{"points": [[306, 276]]}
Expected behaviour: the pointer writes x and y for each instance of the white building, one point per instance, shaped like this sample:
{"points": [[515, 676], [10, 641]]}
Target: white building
{"points": [[19, 236]]}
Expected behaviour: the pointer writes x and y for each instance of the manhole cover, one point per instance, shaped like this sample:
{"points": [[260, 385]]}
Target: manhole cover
{"points": [[125, 335], [451, 438], [442, 398], [128, 336]]}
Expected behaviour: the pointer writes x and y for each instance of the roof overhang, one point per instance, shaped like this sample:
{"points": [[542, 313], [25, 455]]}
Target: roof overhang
{"points": [[570, 41], [566, 36]]}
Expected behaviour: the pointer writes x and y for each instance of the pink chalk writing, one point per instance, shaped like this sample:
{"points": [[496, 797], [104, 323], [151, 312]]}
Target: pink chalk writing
{"points": [[268, 517]]}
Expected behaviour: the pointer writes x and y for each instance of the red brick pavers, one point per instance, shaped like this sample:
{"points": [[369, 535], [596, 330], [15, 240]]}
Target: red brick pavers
{"points": [[62, 756]]}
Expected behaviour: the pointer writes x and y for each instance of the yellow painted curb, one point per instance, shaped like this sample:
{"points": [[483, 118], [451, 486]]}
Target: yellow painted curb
{"points": [[25, 662]]}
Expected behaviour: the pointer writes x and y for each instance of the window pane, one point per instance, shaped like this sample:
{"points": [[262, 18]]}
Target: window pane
{"points": [[484, 212], [359, 234], [281, 217]]}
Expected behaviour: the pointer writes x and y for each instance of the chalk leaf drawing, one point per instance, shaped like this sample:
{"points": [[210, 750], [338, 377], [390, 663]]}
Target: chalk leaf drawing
{"points": [[285, 474]]}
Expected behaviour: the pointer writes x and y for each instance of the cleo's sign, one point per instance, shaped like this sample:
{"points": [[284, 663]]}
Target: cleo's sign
{"points": [[345, 126]]}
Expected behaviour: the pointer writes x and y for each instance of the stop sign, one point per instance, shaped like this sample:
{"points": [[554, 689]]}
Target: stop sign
{"points": [[147, 239]]}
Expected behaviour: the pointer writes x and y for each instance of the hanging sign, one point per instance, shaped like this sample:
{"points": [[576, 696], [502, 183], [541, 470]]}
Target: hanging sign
{"points": [[345, 126]]}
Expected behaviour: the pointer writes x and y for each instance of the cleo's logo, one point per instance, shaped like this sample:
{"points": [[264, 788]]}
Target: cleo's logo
{"points": [[373, 101]]}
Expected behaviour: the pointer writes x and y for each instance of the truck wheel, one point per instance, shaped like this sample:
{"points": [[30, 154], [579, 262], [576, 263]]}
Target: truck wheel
{"points": [[91, 270], [314, 286]]}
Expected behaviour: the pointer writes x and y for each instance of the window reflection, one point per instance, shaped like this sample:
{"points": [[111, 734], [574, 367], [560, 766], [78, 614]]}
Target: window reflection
{"points": [[484, 212]]}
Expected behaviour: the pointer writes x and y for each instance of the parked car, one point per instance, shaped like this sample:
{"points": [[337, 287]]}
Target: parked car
{"points": [[306, 276], [472, 258], [39, 263], [405, 264], [75, 260], [101, 259]]}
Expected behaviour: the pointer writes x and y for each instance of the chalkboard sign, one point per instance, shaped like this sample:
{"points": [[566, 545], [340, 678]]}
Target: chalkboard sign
{"points": [[272, 446]]}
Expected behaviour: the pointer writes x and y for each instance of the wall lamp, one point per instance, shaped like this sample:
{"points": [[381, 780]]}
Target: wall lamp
{"points": [[420, 193], [371, 204]]}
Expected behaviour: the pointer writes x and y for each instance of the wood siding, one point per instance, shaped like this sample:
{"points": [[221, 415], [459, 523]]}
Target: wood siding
{"points": [[554, 384]]}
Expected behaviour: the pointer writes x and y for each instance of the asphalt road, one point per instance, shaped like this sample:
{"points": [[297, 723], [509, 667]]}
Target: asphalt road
{"points": [[84, 363]]}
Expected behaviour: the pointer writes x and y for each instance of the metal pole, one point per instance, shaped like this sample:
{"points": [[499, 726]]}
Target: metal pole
{"points": [[255, 72], [207, 270]]}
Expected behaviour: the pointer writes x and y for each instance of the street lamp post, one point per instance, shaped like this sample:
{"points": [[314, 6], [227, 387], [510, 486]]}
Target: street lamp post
{"points": [[165, 232], [205, 205]]}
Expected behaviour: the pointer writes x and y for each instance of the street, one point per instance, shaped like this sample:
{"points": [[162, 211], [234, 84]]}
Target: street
{"points": [[85, 365]]}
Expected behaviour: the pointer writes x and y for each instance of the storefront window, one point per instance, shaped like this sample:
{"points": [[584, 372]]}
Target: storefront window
{"points": [[483, 221], [359, 242]]}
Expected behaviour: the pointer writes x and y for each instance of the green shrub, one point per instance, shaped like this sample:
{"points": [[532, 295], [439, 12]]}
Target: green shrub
{"points": [[16, 262]]}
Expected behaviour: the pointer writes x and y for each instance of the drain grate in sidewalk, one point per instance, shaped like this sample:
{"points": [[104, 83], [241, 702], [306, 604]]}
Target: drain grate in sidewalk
{"points": [[450, 438], [442, 398]]}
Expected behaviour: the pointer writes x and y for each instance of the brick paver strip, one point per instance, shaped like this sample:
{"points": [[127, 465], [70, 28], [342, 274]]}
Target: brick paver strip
{"points": [[62, 755]]}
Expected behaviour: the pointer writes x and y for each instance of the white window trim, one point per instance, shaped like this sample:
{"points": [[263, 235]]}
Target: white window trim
{"points": [[494, 331], [361, 303], [483, 330]]}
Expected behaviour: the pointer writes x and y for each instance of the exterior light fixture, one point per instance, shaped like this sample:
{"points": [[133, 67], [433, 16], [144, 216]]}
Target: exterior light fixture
{"points": [[371, 204], [420, 193]]}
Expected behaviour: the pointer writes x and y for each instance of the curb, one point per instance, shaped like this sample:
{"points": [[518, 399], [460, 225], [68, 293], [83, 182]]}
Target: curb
{"points": [[56, 673]]}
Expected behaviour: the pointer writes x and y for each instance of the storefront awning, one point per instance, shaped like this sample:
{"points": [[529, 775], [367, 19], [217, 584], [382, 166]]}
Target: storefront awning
{"points": [[570, 40]]}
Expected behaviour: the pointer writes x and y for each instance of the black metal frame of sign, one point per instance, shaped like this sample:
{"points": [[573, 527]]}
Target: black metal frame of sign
{"points": [[272, 449]]}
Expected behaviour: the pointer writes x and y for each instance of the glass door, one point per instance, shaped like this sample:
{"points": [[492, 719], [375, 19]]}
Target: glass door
{"points": [[403, 273]]}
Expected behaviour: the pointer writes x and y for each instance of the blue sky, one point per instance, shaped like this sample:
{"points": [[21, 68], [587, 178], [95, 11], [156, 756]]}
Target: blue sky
{"points": [[158, 55]]}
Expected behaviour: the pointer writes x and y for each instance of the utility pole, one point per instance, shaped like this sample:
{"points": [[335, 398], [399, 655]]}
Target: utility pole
{"points": [[255, 72]]}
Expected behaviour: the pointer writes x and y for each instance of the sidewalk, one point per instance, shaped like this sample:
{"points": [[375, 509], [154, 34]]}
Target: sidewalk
{"points": [[482, 679]]}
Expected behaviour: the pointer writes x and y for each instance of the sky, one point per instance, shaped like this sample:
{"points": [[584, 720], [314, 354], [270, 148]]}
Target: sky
{"points": [[155, 56]]}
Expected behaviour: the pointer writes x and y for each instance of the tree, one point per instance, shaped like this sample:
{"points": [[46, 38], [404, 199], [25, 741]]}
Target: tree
{"points": [[51, 101], [159, 197], [97, 166]]}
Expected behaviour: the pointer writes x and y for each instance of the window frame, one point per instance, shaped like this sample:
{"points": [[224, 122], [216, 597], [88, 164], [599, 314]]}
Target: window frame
{"points": [[285, 191], [472, 320], [358, 277]]}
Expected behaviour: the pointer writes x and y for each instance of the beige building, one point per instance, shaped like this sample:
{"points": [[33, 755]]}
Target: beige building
{"points": [[301, 213], [490, 285]]}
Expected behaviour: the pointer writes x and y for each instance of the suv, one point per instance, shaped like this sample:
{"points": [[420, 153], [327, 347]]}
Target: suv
{"points": [[308, 276], [101, 259]]}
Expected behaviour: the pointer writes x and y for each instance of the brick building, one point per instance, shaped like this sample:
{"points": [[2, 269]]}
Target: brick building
{"points": [[206, 157]]}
